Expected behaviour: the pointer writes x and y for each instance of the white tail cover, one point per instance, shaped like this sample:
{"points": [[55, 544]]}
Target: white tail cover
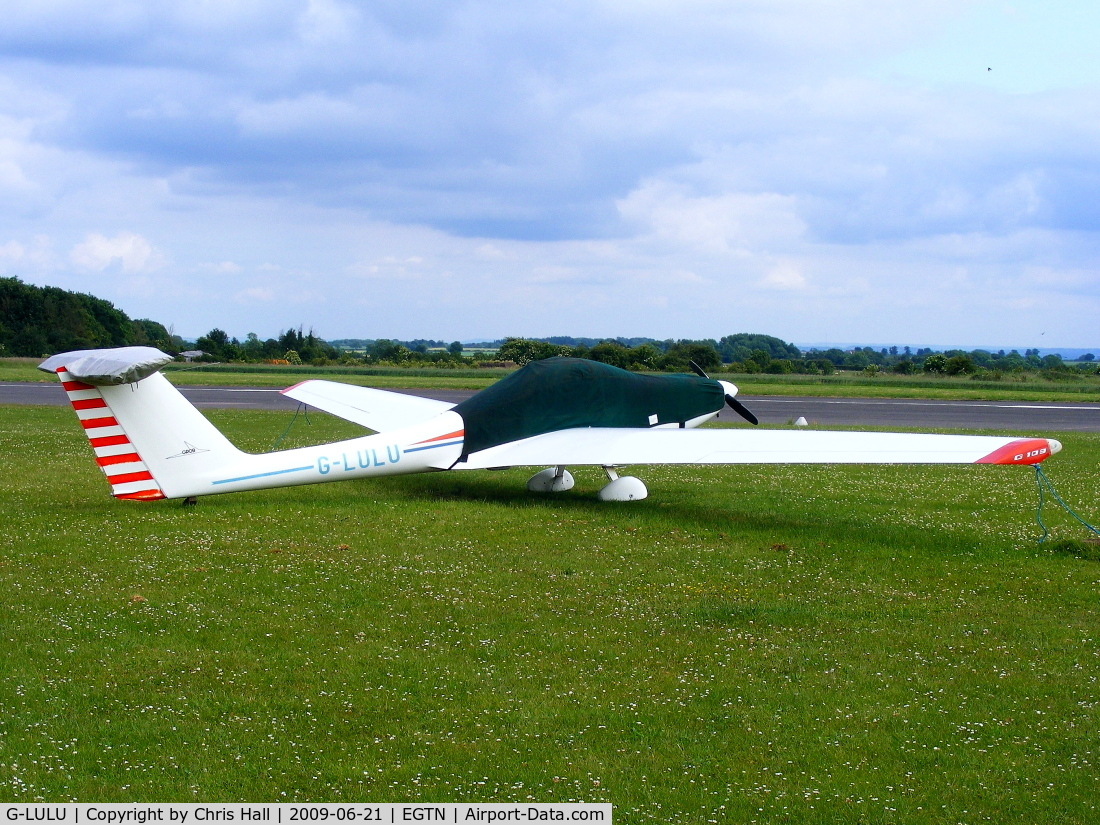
{"points": [[122, 365]]}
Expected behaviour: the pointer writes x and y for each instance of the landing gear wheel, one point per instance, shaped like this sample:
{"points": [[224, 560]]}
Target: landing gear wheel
{"points": [[625, 488], [550, 480]]}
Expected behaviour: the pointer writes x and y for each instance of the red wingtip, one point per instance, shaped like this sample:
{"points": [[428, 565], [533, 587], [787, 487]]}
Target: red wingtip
{"points": [[143, 495], [1021, 451]]}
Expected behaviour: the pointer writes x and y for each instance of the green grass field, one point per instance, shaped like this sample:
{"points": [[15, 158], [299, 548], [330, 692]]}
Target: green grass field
{"points": [[749, 644], [1028, 387]]}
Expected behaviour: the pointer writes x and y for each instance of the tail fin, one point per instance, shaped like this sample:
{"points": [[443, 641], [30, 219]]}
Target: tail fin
{"points": [[148, 439]]}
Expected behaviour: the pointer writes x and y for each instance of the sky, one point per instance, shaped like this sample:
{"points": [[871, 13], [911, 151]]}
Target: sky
{"points": [[848, 170]]}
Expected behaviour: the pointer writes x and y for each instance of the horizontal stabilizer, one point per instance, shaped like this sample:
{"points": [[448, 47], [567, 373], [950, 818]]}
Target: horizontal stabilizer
{"points": [[609, 447], [377, 410]]}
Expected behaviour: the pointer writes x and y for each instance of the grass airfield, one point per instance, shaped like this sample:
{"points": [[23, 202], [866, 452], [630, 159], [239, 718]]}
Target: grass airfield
{"points": [[803, 644]]}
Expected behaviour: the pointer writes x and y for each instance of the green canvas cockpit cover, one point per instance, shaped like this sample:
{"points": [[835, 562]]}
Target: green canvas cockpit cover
{"points": [[563, 393]]}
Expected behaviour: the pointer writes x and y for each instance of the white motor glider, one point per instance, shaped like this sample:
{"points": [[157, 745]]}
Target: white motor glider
{"points": [[153, 444]]}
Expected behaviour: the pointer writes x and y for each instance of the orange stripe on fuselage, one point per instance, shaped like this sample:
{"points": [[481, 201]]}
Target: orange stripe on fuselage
{"points": [[455, 434]]}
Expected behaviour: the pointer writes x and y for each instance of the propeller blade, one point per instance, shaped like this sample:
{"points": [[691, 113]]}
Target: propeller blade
{"points": [[741, 410], [735, 405]]}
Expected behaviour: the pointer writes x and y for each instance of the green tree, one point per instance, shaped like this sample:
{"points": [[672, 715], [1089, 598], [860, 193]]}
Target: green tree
{"points": [[214, 343], [762, 358], [959, 365], [856, 360], [608, 352], [740, 346], [982, 358], [386, 350], [678, 355], [643, 357], [1053, 362], [35, 321], [523, 351], [1008, 363], [148, 333], [935, 363], [253, 348], [834, 355]]}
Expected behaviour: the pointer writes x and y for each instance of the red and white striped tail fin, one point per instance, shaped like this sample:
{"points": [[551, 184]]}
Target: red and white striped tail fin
{"points": [[148, 439], [115, 454]]}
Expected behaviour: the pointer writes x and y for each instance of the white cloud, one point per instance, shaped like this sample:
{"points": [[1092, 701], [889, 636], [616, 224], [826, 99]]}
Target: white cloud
{"points": [[31, 255], [256, 294], [490, 252], [325, 22], [391, 268], [12, 251], [131, 252], [12, 176], [729, 223], [784, 276], [223, 268]]}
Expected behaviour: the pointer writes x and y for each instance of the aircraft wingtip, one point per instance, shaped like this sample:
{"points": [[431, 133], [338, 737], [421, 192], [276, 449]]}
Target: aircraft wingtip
{"points": [[1023, 451]]}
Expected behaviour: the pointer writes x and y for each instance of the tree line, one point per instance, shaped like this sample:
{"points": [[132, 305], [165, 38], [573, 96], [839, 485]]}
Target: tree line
{"points": [[40, 321], [978, 362], [292, 346], [753, 353]]}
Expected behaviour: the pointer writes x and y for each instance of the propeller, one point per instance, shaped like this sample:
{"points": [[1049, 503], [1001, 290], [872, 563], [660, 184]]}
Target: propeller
{"points": [[734, 404]]}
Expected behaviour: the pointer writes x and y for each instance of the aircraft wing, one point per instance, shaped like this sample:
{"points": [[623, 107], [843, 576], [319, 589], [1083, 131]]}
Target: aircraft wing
{"points": [[376, 410], [607, 447]]}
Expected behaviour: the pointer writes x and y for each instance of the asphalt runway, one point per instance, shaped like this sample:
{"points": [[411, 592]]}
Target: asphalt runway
{"points": [[1022, 417]]}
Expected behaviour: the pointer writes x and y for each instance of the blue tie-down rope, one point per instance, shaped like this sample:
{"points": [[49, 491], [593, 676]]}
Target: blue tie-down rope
{"points": [[304, 410], [1042, 481]]}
